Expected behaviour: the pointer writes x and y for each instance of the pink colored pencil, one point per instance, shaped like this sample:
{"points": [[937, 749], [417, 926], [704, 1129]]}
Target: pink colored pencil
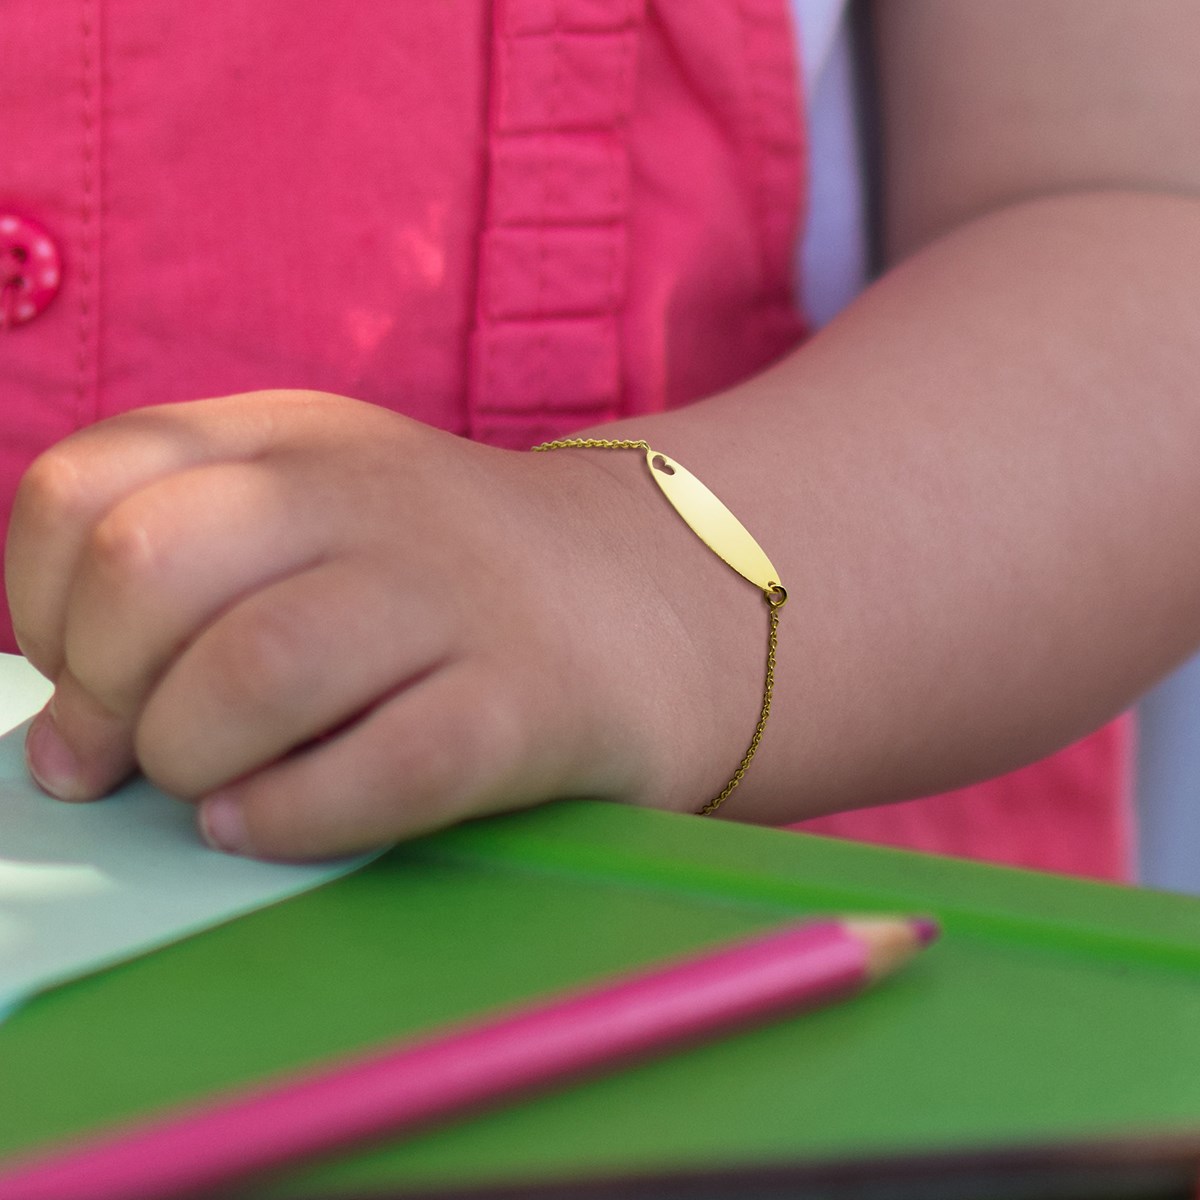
{"points": [[411, 1084]]}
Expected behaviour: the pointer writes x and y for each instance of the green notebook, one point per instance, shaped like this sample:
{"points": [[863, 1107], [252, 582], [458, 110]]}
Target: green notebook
{"points": [[1052, 1010]]}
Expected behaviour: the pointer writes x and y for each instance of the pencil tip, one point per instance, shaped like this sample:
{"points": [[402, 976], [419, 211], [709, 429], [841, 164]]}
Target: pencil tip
{"points": [[927, 930]]}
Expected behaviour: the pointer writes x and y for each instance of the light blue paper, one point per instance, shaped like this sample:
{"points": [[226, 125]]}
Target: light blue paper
{"points": [[83, 886]]}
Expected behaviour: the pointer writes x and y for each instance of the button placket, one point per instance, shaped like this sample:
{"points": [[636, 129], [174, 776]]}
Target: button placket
{"points": [[546, 348]]}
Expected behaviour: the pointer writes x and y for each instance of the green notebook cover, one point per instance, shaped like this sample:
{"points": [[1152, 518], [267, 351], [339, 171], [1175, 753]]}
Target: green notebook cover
{"points": [[1051, 1010]]}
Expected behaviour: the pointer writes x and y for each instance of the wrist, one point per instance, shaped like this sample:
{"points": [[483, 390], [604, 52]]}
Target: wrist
{"points": [[695, 593]]}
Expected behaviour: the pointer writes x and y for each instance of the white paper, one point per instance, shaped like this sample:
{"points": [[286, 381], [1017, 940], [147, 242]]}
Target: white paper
{"points": [[83, 886]]}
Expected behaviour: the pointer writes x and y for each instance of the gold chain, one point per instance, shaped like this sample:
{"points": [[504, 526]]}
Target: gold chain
{"points": [[593, 444], [772, 642], [773, 592]]}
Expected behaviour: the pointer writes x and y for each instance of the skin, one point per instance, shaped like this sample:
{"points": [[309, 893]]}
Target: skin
{"points": [[978, 485]]}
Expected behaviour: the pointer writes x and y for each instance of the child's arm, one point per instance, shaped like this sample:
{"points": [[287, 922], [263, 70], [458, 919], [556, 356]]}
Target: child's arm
{"points": [[982, 483], [980, 487]]}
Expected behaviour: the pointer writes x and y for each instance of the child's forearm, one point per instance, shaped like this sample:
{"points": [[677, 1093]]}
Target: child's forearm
{"points": [[980, 486]]}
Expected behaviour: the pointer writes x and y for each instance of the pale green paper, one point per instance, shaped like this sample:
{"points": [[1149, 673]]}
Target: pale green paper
{"points": [[83, 886]]}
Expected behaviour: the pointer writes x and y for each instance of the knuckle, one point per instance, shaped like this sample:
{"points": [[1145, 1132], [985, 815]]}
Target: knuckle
{"points": [[473, 759], [121, 588], [256, 659], [165, 761], [170, 750], [123, 548], [98, 674], [283, 819], [54, 488], [496, 731]]}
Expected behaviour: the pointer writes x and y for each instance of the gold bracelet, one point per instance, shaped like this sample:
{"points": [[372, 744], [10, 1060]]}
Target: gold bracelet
{"points": [[728, 538]]}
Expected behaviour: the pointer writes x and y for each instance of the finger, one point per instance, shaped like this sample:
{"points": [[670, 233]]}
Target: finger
{"points": [[448, 748], [75, 749], [66, 491], [286, 664], [155, 569], [161, 564]]}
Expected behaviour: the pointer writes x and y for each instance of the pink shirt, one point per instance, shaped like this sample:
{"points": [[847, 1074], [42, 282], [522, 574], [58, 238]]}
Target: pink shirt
{"points": [[510, 220]]}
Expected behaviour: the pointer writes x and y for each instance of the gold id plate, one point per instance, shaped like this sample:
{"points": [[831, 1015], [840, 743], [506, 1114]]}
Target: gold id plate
{"points": [[712, 522]]}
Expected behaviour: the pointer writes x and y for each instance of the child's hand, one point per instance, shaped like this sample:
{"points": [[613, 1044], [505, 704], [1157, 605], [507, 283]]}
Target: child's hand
{"points": [[337, 627]]}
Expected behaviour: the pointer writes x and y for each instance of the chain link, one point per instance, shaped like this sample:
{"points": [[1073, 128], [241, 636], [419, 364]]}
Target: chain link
{"points": [[593, 444], [768, 689], [774, 594]]}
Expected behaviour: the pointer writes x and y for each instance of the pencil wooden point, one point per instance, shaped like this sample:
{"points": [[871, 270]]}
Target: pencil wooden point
{"points": [[891, 942]]}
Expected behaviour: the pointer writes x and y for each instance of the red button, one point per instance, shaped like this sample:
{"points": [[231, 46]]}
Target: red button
{"points": [[30, 270]]}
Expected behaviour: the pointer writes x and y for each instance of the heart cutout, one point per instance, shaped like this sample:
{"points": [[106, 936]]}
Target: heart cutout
{"points": [[660, 464]]}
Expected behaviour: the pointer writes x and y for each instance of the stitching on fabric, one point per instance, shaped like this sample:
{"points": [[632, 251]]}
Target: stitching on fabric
{"points": [[546, 165], [554, 107], [555, 190], [626, 78], [481, 376], [554, 98], [618, 158], [751, 107], [89, 216], [489, 361], [618, 277], [770, 79], [541, 261], [629, 45]]}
